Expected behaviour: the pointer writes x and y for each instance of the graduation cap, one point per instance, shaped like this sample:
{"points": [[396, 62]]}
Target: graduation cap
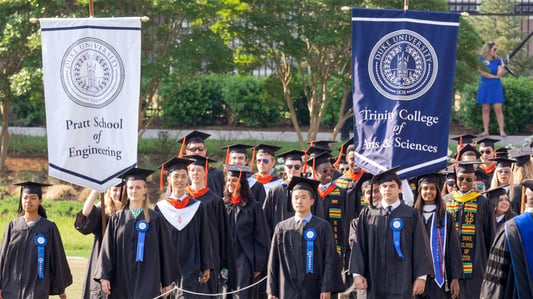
{"points": [[528, 184], [503, 162], [236, 148], [321, 144], [194, 136], [449, 172], [435, 178], [315, 151], [135, 174], [481, 175], [267, 149], [386, 176], [522, 155], [465, 138], [487, 141], [32, 188], [343, 150], [502, 152], [467, 150], [294, 155], [335, 161], [301, 183], [495, 193], [171, 165], [236, 170], [466, 166]]}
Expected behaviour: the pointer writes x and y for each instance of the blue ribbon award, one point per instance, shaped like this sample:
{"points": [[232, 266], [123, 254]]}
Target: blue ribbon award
{"points": [[40, 241], [142, 226], [309, 236], [396, 225]]}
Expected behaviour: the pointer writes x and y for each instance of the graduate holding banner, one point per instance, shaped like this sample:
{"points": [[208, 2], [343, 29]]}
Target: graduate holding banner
{"points": [[91, 71], [403, 70]]}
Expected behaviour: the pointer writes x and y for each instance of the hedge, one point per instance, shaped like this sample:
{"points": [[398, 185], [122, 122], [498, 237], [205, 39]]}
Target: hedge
{"points": [[517, 108]]}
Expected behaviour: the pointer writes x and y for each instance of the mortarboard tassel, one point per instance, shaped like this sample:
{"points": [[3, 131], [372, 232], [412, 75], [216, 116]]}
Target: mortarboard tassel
{"points": [[336, 164], [237, 185], [161, 177], [182, 147], [253, 158]]}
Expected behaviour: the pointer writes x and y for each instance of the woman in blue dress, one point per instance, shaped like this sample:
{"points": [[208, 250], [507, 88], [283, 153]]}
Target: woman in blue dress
{"points": [[490, 87]]}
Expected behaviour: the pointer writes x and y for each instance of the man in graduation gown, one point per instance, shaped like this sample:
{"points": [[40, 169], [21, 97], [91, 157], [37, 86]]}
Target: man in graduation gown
{"points": [[476, 227], [20, 274], [390, 257], [509, 272], [224, 265], [236, 155], [277, 204], [194, 144], [265, 161], [303, 260], [137, 258], [488, 152], [189, 230]]}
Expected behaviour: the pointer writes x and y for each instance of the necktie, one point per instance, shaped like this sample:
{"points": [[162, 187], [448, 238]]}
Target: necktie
{"points": [[301, 226], [388, 211]]}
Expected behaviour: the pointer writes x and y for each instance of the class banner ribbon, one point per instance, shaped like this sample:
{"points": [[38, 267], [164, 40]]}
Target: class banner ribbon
{"points": [[91, 72], [403, 72]]}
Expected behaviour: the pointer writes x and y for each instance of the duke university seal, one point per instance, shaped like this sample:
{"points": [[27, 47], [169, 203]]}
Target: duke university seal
{"points": [[92, 73], [403, 65]]}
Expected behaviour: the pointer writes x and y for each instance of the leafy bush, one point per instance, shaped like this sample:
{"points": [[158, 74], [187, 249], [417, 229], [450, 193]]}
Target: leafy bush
{"points": [[248, 103], [199, 103], [516, 108]]}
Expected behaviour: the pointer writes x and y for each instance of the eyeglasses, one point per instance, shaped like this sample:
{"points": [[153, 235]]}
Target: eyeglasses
{"points": [[506, 171], [342, 169], [468, 179], [450, 183], [263, 160], [488, 152], [196, 149], [290, 166]]}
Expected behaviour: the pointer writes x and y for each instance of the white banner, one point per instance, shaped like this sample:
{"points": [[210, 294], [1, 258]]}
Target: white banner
{"points": [[91, 70]]}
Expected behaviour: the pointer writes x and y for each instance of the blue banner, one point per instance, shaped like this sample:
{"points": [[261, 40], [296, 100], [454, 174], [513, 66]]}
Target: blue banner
{"points": [[403, 70]]}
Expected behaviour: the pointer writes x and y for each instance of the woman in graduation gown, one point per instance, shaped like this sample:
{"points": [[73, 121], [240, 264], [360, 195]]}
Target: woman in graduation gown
{"points": [[137, 258], [30, 238], [248, 229], [188, 227], [89, 221], [503, 177], [443, 240]]}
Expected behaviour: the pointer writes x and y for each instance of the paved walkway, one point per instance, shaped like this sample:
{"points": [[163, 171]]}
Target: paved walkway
{"points": [[288, 135]]}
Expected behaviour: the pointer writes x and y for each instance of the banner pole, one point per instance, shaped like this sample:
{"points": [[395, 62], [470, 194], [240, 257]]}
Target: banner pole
{"points": [[405, 4], [91, 9], [102, 206]]}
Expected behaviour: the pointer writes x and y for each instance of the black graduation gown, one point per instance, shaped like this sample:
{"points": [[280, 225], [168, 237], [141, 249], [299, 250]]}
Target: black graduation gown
{"points": [[131, 279], [18, 261], [516, 200], [452, 260], [501, 224], [250, 238], [216, 181], [193, 246], [258, 190], [92, 224], [500, 281], [374, 256], [485, 231], [277, 207], [333, 203], [287, 277], [222, 248]]}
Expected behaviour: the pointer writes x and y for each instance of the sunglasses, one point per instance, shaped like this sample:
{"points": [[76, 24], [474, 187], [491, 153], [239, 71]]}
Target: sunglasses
{"points": [[488, 152], [327, 170], [450, 183], [196, 149], [263, 160], [342, 169], [468, 179], [290, 166], [506, 171]]}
